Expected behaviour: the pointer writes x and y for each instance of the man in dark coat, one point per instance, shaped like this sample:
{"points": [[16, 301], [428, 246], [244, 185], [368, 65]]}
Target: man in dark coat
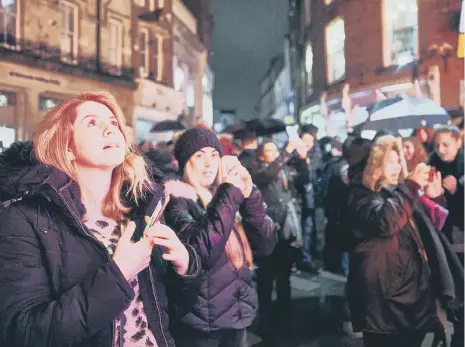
{"points": [[313, 221]]}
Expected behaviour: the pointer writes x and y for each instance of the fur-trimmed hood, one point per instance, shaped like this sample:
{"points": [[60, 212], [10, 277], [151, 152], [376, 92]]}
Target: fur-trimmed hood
{"points": [[373, 171], [22, 174], [20, 171], [180, 189]]}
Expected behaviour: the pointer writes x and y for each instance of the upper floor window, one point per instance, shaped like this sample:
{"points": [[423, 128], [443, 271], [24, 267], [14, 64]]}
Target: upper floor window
{"points": [[8, 22], [401, 31], [178, 78], [157, 48], [308, 13], [116, 45], [143, 52], [309, 64], [69, 33], [335, 54]]}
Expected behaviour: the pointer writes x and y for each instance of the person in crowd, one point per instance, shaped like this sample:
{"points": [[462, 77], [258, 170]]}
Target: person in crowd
{"points": [[414, 152], [164, 161], [448, 159], [313, 222], [75, 267], [277, 181], [399, 269], [216, 189], [249, 144], [334, 192], [425, 136]]}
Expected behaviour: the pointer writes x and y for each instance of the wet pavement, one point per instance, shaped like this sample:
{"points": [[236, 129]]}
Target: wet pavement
{"points": [[318, 305]]}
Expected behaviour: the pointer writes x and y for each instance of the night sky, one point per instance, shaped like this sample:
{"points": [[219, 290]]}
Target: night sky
{"points": [[247, 34]]}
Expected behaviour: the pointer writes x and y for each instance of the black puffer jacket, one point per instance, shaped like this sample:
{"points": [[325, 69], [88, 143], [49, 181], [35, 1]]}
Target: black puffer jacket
{"points": [[389, 285], [227, 299], [59, 287]]}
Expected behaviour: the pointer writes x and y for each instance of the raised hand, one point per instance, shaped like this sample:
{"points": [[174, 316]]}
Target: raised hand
{"points": [[434, 188]]}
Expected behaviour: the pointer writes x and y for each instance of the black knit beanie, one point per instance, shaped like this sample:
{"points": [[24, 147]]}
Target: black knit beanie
{"points": [[192, 141]]}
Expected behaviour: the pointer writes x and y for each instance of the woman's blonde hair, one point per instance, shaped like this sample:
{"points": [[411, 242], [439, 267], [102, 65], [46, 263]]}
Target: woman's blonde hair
{"points": [[54, 136], [373, 175], [237, 247]]}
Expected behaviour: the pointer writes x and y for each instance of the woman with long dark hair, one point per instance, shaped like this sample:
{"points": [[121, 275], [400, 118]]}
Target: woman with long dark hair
{"points": [[222, 215]]}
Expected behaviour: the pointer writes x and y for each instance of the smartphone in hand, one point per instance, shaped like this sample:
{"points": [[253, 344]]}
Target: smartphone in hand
{"points": [[159, 209]]}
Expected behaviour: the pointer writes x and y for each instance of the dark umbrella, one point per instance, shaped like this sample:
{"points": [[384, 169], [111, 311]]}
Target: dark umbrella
{"points": [[406, 112], [167, 125], [261, 127]]}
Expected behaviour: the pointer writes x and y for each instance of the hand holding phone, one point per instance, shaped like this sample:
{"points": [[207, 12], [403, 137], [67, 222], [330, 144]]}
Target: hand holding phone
{"points": [[158, 212]]}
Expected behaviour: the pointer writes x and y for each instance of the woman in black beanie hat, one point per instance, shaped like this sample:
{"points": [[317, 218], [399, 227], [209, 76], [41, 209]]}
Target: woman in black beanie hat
{"points": [[215, 191]]}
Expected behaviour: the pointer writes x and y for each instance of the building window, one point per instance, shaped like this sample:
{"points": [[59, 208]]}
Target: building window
{"points": [[308, 12], [178, 78], [8, 22], [139, 2], [328, 2], [152, 5], [401, 31], [190, 96], [46, 103], [69, 33], [7, 99], [116, 46], [309, 64], [143, 52], [161, 3], [335, 41], [158, 57]]}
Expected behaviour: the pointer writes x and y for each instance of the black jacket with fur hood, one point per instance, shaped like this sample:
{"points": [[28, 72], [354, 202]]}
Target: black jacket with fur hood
{"points": [[59, 287]]}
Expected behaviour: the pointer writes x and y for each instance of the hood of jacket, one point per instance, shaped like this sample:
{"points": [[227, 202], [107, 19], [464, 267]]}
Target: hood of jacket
{"points": [[22, 174]]}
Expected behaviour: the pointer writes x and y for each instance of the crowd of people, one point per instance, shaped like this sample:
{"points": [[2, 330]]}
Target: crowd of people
{"points": [[82, 263]]}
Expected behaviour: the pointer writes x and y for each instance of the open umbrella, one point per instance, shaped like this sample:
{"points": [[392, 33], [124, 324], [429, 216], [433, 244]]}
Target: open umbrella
{"points": [[261, 127], [167, 125], [406, 112]]}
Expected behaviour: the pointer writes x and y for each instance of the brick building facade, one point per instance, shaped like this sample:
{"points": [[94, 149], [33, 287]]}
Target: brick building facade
{"points": [[371, 53], [53, 49]]}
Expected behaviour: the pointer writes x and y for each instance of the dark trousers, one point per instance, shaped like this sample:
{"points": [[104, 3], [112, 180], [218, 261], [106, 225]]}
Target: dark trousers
{"points": [[220, 338], [393, 340], [276, 267]]}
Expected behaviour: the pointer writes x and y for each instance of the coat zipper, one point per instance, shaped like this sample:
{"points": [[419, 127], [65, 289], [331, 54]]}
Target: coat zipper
{"points": [[93, 239], [156, 302]]}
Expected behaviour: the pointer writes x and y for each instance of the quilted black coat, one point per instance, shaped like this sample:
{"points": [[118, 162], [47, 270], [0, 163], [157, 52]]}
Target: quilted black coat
{"points": [[227, 299]]}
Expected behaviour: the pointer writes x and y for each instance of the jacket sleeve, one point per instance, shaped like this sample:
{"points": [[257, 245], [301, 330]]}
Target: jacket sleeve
{"points": [[379, 216], [260, 228], [184, 289], [264, 176], [31, 315], [302, 177], [209, 232]]}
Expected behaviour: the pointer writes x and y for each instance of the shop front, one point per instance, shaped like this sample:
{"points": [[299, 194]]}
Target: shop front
{"points": [[27, 93]]}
